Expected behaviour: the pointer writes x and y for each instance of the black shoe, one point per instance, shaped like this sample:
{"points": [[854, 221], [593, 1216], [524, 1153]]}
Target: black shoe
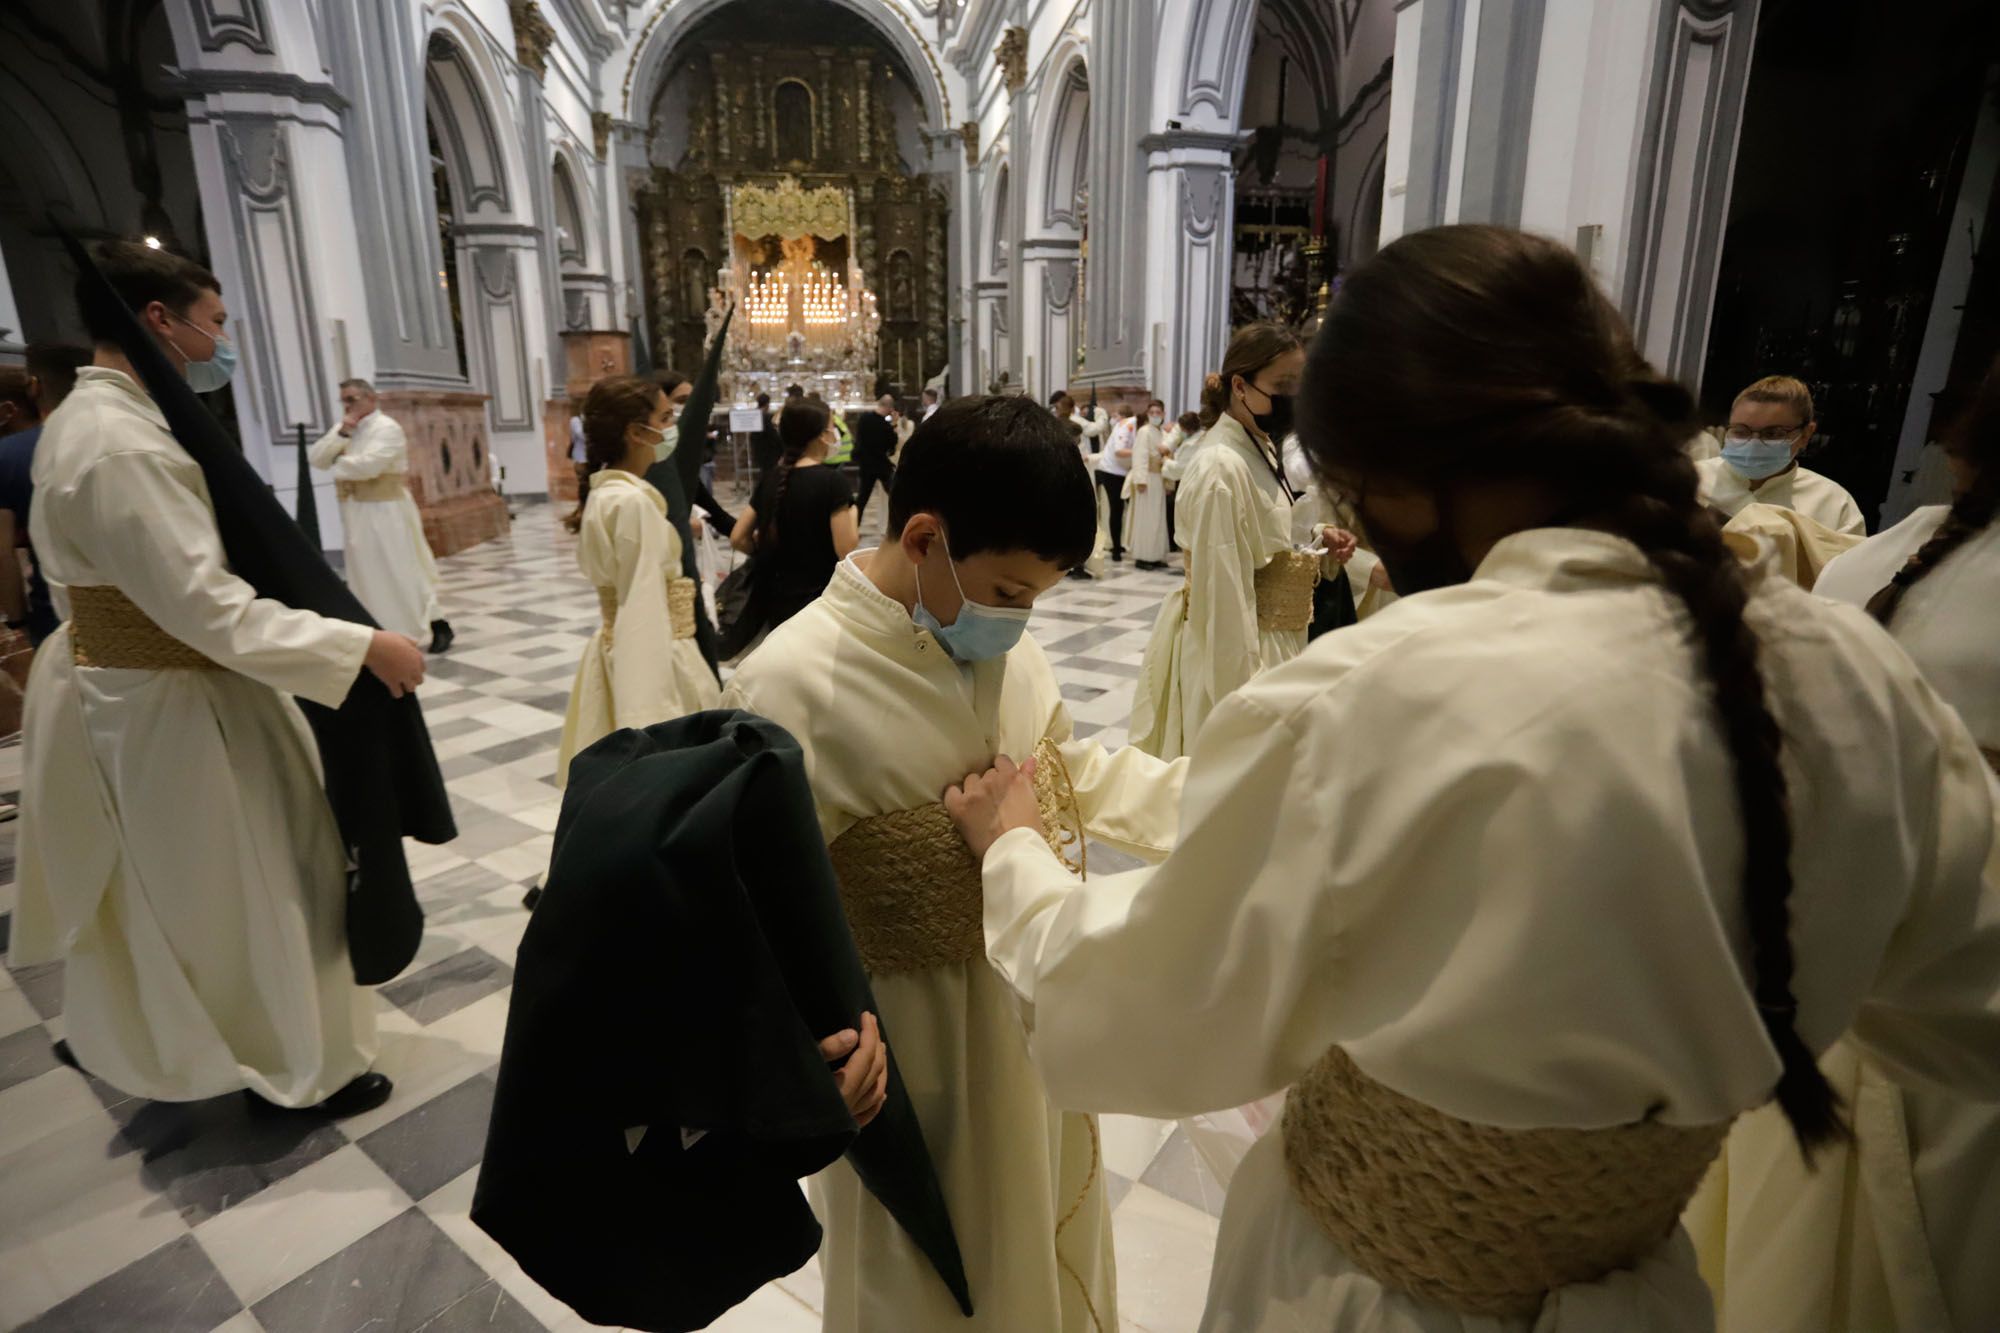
{"points": [[441, 635], [534, 896], [1117, 557], [1081, 575], [1150, 566], [365, 1093], [64, 1055]]}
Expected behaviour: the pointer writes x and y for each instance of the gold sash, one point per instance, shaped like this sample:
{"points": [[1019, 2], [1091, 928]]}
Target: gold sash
{"points": [[680, 607], [388, 486], [1480, 1220], [912, 889], [1284, 589], [107, 630]]}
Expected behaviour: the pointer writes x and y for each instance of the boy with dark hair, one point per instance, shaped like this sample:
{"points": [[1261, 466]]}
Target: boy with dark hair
{"points": [[923, 642]]}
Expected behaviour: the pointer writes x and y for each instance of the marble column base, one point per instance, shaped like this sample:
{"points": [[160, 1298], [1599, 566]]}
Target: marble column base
{"points": [[451, 466]]}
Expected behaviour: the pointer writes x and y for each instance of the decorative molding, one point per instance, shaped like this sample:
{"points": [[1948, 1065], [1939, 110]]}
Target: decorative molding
{"points": [[600, 132], [1012, 58], [1066, 168], [533, 36], [220, 24], [968, 135], [480, 180], [1203, 191], [1217, 57], [1440, 43], [1212, 141], [200, 82]]}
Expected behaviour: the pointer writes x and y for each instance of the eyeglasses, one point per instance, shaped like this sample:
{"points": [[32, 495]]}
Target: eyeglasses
{"points": [[1768, 435]]}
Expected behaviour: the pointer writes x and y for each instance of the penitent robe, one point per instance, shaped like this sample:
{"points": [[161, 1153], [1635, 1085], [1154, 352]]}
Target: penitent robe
{"points": [[389, 562], [1484, 843], [888, 721], [176, 843], [635, 672], [1232, 515], [1899, 1230], [1821, 499]]}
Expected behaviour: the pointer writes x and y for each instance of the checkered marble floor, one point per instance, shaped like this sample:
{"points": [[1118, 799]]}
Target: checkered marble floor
{"points": [[118, 1214]]}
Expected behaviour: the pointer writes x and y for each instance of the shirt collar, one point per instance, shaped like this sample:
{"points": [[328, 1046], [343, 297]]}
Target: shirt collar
{"points": [[881, 618], [1568, 559]]}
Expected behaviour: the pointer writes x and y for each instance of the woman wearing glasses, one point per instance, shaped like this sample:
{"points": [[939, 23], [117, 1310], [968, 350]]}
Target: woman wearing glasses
{"points": [[1770, 425]]}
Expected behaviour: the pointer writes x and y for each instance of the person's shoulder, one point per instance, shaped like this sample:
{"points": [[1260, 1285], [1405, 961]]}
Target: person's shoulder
{"points": [[1811, 480]]}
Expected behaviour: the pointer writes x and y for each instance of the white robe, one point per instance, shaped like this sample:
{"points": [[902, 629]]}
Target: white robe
{"points": [[389, 561], [1819, 498], [1146, 497], [1231, 516], [177, 848], [888, 721], [1901, 1231], [639, 674], [1485, 842]]}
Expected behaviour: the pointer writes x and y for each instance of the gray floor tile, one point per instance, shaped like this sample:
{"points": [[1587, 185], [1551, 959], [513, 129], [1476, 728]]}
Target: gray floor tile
{"points": [[433, 1145], [207, 1156], [542, 742], [26, 1055], [175, 1289], [447, 986], [400, 1276], [457, 884], [42, 985]]}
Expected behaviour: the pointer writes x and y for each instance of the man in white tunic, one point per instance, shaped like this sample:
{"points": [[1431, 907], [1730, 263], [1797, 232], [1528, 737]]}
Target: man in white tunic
{"points": [[177, 849], [911, 668], [1770, 425], [389, 562]]}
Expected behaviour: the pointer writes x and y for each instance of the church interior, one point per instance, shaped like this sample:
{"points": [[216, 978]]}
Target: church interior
{"points": [[481, 266]]}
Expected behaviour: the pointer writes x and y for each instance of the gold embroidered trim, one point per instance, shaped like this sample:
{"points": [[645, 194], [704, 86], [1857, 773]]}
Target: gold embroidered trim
{"points": [[107, 630], [388, 486]]}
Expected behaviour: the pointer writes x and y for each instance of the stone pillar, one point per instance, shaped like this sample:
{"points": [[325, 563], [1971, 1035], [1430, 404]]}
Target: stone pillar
{"points": [[1012, 58], [375, 50], [1122, 73], [1190, 214]]}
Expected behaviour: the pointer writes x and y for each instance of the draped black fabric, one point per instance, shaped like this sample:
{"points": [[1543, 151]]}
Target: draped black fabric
{"points": [[661, 1087], [308, 503], [382, 778], [679, 477]]}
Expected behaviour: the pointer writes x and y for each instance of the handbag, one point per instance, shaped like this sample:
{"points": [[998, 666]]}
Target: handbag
{"points": [[739, 613]]}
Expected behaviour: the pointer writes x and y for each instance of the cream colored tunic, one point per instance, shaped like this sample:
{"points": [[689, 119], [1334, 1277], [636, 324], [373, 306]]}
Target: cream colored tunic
{"points": [[1821, 499], [389, 561], [1902, 1231], [638, 673], [1146, 495], [888, 721], [1485, 842], [177, 849], [1231, 517]]}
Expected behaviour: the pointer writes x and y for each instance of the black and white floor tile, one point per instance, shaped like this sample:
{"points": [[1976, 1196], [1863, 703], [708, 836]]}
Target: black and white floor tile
{"points": [[120, 1215]]}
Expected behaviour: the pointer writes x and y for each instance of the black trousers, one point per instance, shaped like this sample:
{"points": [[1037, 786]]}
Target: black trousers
{"points": [[1113, 486], [1171, 488], [870, 474]]}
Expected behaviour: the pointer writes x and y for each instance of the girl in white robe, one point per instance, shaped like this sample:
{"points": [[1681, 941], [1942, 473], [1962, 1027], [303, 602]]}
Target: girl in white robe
{"points": [[890, 712], [642, 665], [1531, 883], [1146, 495], [177, 849], [1233, 518], [1900, 1229]]}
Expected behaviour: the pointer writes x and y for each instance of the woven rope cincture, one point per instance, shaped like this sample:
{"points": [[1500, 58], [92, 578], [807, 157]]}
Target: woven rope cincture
{"points": [[107, 630]]}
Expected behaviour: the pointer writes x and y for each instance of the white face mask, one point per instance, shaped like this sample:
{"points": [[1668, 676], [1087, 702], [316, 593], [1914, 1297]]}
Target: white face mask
{"points": [[1155, 418]]}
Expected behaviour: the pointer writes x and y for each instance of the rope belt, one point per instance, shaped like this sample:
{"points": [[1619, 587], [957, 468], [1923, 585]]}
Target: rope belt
{"points": [[1480, 1220], [680, 608], [1284, 589], [388, 486], [107, 630], [911, 887]]}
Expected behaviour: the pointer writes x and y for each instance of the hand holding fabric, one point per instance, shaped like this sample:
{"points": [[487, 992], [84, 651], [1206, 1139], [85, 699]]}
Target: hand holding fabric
{"points": [[864, 1078], [1340, 543], [988, 805]]}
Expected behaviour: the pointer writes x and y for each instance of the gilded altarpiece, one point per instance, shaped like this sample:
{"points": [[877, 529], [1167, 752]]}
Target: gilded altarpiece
{"points": [[794, 118]]}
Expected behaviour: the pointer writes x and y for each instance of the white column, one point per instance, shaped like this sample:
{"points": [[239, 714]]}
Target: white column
{"points": [[1190, 214], [11, 336]]}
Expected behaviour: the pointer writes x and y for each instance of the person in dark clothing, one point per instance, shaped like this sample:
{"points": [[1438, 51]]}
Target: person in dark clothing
{"points": [[765, 447], [875, 449], [801, 522], [51, 372]]}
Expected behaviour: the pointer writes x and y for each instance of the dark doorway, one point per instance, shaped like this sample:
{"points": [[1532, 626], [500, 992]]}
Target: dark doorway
{"points": [[1856, 130]]}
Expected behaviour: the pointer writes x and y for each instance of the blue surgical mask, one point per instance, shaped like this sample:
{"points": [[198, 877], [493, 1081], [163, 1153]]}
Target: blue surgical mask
{"points": [[210, 375], [981, 632], [1757, 459]]}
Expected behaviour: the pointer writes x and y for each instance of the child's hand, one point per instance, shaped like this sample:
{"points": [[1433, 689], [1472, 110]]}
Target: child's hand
{"points": [[864, 1079], [1000, 800]]}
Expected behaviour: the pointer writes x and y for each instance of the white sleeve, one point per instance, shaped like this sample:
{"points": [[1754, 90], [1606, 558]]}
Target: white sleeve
{"points": [[327, 448], [376, 448], [161, 548]]}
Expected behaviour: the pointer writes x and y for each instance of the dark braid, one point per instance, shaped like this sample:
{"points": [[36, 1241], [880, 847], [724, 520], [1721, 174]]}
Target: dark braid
{"points": [[802, 423], [610, 410], [1974, 443], [1496, 351]]}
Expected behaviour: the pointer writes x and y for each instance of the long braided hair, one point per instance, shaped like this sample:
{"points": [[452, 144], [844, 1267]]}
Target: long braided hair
{"points": [[1482, 354], [804, 422], [610, 410], [1973, 442]]}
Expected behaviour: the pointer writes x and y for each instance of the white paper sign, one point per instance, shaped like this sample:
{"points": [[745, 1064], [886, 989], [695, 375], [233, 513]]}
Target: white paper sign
{"points": [[746, 420]]}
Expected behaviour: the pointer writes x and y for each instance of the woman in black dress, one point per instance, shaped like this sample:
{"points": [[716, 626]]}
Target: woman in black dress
{"points": [[801, 522]]}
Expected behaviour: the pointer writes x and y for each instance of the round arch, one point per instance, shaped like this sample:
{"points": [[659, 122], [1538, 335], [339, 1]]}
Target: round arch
{"points": [[1064, 138], [465, 102], [674, 19], [575, 236], [993, 260]]}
